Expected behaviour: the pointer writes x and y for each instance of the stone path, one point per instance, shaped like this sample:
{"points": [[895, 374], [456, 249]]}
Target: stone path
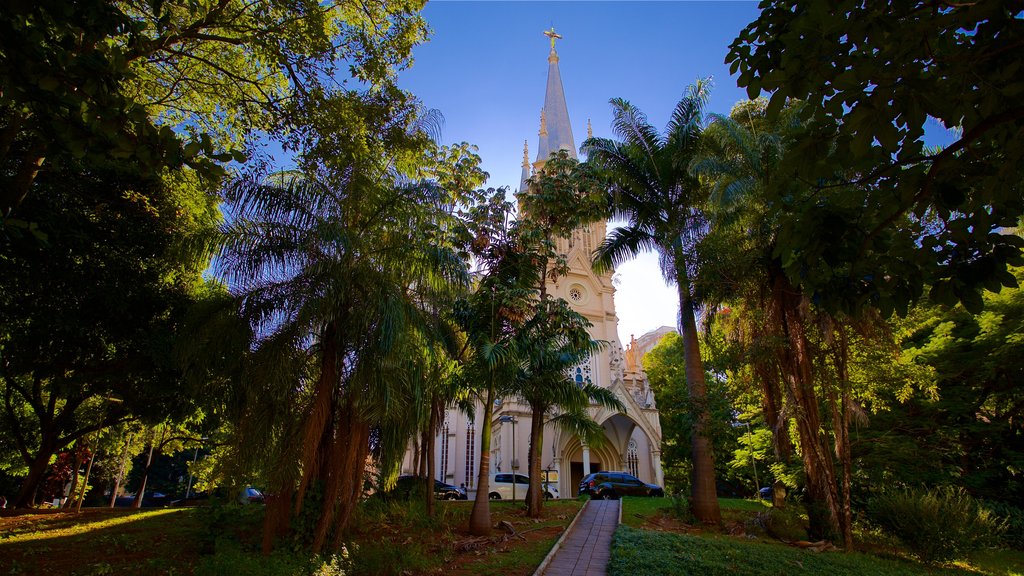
{"points": [[587, 548]]}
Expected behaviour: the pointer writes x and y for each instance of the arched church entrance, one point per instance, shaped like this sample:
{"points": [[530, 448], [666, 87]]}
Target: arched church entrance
{"points": [[626, 447]]}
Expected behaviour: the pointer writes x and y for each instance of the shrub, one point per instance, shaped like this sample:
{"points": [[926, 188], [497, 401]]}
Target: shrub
{"points": [[681, 508], [782, 523], [1013, 537], [936, 525]]}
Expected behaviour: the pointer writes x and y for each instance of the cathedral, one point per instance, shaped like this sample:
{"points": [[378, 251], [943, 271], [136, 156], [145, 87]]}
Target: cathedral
{"points": [[633, 437]]}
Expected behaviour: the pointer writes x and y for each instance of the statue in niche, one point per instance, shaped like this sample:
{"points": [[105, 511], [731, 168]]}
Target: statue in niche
{"points": [[617, 364]]}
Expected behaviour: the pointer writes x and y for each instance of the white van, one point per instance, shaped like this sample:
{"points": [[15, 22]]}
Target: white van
{"points": [[501, 487]]}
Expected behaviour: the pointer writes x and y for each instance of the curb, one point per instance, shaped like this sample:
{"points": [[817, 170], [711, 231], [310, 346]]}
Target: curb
{"points": [[551, 553]]}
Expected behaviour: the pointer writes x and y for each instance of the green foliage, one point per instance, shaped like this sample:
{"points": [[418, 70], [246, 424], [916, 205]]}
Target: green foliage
{"points": [[870, 92], [963, 409], [937, 525], [169, 83], [647, 553], [1013, 516], [681, 508], [665, 369], [785, 524]]}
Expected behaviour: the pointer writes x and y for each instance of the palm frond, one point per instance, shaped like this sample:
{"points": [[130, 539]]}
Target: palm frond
{"points": [[621, 245]]}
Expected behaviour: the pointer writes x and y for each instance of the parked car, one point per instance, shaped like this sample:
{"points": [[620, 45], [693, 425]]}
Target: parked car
{"points": [[408, 485], [149, 500], [250, 495], [612, 485], [500, 487]]}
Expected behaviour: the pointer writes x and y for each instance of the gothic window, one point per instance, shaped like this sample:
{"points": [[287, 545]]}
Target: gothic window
{"points": [[632, 461], [583, 372], [470, 454]]}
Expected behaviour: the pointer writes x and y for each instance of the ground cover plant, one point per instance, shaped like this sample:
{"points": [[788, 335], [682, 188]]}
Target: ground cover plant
{"points": [[652, 540], [922, 520], [224, 539]]}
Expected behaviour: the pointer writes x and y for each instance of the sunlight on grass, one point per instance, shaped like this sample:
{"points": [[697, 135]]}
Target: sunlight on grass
{"points": [[41, 532]]}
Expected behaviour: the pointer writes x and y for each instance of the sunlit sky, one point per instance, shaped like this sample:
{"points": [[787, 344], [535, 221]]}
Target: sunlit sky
{"points": [[485, 69]]}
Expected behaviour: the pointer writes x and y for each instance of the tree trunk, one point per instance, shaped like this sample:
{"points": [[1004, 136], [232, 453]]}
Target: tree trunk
{"points": [[121, 470], [429, 443], [798, 375], [841, 422], [771, 404], [480, 517], [535, 495], [145, 477], [703, 496], [72, 493], [88, 471], [26, 497]]}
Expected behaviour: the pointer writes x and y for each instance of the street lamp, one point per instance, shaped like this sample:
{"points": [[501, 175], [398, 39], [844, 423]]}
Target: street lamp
{"points": [[515, 463]]}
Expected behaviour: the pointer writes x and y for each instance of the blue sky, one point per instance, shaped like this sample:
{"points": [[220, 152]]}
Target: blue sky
{"points": [[485, 69]]}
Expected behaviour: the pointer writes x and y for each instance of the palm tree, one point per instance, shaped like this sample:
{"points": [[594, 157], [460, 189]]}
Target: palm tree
{"points": [[334, 278], [750, 202], [551, 343], [651, 188]]}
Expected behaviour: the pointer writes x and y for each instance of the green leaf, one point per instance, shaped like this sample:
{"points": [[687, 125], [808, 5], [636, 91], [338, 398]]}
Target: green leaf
{"points": [[776, 103]]}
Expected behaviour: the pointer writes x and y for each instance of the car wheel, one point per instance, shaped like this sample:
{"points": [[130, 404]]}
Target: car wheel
{"points": [[548, 496], [494, 496]]}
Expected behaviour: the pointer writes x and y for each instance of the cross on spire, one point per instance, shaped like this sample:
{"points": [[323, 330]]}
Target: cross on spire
{"points": [[553, 36]]}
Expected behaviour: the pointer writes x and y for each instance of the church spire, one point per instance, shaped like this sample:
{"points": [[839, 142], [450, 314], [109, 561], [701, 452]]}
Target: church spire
{"points": [[556, 132], [526, 167]]}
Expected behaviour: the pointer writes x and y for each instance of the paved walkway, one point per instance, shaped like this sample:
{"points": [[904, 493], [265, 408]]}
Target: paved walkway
{"points": [[586, 550]]}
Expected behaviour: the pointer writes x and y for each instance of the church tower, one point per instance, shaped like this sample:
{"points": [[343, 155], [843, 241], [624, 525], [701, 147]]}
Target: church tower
{"points": [[632, 438]]}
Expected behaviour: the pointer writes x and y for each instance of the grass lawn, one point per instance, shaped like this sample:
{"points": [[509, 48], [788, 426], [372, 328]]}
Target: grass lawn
{"points": [[388, 538], [653, 542]]}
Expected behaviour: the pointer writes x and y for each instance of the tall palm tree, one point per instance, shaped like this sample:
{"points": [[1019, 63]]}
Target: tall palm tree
{"points": [[550, 344], [751, 201], [335, 279], [651, 188]]}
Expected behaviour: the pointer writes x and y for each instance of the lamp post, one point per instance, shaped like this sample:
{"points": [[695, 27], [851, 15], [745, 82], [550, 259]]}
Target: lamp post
{"points": [[513, 464]]}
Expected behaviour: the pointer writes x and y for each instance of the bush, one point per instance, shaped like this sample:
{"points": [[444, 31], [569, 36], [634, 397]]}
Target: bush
{"points": [[781, 523], [1013, 537], [681, 508], [936, 525]]}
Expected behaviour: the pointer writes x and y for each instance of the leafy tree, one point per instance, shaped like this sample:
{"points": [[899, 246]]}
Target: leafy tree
{"points": [[550, 343], [173, 83], [966, 408], [666, 371], [92, 310], [500, 302], [872, 75], [651, 188], [755, 208], [332, 267]]}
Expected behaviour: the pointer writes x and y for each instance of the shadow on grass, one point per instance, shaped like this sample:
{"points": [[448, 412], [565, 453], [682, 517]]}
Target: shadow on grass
{"points": [[100, 541]]}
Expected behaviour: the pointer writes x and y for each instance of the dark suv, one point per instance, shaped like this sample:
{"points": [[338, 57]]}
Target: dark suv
{"points": [[602, 485], [407, 486]]}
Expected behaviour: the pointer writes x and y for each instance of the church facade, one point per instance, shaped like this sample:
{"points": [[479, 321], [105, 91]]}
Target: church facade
{"points": [[633, 437]]}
